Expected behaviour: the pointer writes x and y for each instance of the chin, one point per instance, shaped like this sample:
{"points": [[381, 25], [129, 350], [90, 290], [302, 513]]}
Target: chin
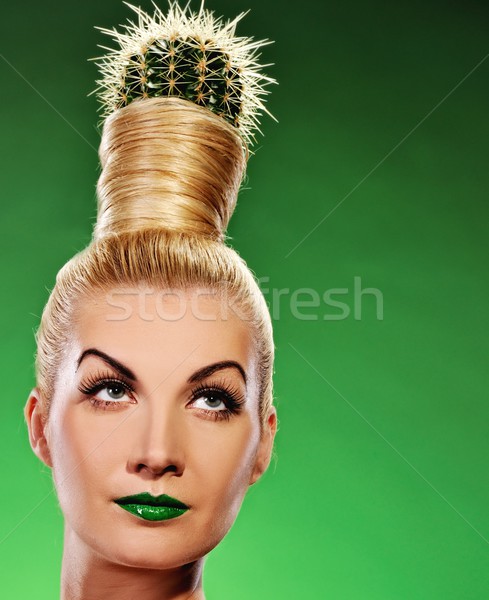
{"points": [[155, 548], [146, 560]]}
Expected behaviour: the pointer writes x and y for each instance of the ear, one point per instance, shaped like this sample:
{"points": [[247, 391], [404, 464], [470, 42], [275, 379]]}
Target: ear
{"points": [[36, 424], [265, 446]]}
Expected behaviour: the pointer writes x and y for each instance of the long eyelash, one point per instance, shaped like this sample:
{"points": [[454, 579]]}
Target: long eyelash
{"points": [[231, 396], [95, 383]]}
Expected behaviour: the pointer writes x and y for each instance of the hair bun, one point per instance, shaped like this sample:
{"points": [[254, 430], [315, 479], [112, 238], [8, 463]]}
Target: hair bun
{"points": [[168, 163]]}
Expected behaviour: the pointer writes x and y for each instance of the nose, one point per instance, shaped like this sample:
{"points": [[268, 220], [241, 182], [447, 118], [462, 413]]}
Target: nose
{"points": [[157, 442]]}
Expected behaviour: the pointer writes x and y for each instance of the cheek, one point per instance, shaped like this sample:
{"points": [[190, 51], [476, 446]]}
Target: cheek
{"points": [[224, 464], [83, 453]]}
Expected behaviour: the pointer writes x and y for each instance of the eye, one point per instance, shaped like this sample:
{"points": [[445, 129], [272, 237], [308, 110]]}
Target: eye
{"points": [[217, 401], [210, 400], [112, 392], [107, 392]]}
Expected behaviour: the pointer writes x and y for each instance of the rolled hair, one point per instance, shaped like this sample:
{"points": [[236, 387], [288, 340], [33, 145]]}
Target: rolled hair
{"points": [[171, 172], [171, 163]]}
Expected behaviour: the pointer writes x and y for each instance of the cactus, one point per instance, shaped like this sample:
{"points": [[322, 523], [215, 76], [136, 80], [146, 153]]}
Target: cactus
{"points": [[194, 56]]}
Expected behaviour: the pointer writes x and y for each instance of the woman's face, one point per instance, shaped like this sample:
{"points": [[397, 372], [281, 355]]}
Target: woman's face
{"points": [[157, 398]]}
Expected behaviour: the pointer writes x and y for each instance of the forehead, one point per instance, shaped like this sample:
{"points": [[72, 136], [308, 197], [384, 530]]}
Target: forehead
{"points": [[153, 327]]}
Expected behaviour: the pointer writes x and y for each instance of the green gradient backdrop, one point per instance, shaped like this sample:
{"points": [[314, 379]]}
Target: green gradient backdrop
{"points": [[381, 487]]}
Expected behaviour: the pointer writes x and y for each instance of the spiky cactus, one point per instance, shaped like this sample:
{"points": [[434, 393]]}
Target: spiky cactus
{"points": [[189, 55]]}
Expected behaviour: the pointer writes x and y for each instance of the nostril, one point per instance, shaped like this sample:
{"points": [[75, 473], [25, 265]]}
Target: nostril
{"points": [[156, 470]]}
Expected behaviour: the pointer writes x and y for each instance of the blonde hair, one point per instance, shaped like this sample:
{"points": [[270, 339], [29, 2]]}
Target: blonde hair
{"points": [[171, 172]]}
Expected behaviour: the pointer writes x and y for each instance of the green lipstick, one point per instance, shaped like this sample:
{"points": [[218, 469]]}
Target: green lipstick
{"points": [[152, 508]]}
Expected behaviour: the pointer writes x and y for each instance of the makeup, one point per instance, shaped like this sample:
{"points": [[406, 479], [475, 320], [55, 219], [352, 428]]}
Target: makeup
{"points": [[152, 508]]}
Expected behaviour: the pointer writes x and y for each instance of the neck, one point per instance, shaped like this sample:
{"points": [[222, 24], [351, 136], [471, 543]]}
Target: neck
{"points": [[85, 575]]}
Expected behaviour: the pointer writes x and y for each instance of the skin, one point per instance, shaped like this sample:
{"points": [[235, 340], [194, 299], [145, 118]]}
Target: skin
{"points": [[161, 438]]}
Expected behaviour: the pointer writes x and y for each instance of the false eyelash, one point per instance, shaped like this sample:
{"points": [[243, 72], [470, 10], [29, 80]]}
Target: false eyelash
{"points": [[94, 383], [231, 396]]}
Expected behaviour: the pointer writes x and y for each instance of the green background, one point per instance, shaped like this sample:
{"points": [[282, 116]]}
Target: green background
{"points": [[378, 169]]}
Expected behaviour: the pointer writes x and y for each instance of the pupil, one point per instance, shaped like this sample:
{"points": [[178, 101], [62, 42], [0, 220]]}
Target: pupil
{"points": [[116, 391]]}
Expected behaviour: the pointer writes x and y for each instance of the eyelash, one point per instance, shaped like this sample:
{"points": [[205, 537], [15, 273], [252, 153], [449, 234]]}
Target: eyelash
{"points": [[231, 396], [95, 383]]}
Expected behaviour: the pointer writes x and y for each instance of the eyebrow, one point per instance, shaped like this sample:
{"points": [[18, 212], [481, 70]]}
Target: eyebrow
{"points": [[118, 366], [218, 366], [197, 376]]}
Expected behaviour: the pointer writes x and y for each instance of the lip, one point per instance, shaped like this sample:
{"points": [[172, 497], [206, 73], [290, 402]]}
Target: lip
{"points": [[152, 508]]}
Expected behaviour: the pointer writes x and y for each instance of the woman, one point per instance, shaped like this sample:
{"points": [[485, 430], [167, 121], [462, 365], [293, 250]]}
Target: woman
{"points": [[153, 405]]}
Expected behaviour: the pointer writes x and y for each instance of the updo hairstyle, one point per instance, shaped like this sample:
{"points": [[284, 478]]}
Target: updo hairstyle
{"points": [[171, 171]]}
